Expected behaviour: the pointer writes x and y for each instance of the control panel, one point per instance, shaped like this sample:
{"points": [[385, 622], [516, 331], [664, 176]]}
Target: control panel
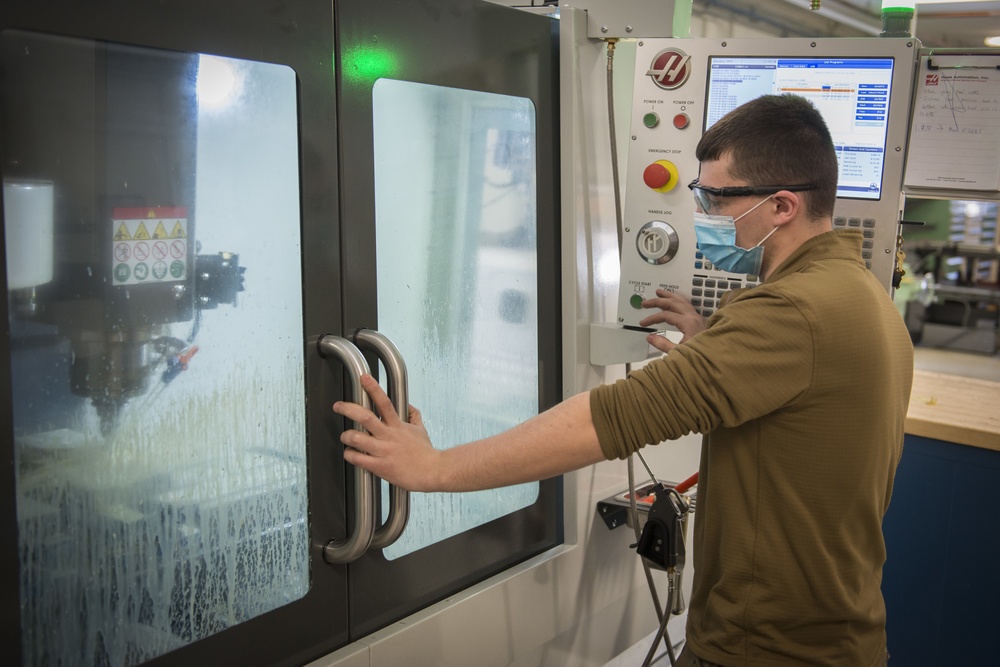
{"points": [[862, 87]]}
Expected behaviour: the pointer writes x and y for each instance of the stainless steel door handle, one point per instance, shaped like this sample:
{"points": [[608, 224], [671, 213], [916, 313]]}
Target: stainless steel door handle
{"points": [[363, 531], [399, 499]]}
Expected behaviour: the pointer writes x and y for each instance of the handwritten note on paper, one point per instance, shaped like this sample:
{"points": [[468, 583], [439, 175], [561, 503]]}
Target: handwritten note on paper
{"points": [[955, 131]]}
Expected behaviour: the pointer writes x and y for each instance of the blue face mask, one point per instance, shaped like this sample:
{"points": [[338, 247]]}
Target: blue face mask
{"points": [[716, 236]]}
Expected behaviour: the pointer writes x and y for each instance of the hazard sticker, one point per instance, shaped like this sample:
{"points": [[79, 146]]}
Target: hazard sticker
{"points": [[149, 245]]}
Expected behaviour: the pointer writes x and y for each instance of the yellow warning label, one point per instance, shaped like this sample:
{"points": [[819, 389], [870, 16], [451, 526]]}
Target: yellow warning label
{"points": [[140, 233], [160, 232], [178, 232], [122, 234]]}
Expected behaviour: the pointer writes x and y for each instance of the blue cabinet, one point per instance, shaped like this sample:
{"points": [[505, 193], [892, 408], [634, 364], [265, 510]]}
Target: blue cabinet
{"points": [[941, 581]]}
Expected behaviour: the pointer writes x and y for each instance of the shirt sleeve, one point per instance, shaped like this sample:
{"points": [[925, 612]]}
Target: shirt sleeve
{"points": [[755, 357]]}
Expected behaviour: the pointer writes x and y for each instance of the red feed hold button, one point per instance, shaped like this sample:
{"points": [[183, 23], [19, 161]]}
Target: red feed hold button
{"points": [[656, 175], [681, 121]]}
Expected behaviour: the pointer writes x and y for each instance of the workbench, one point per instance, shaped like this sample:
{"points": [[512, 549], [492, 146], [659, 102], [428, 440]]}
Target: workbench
{"points": [[945, 407], [941, 581]]}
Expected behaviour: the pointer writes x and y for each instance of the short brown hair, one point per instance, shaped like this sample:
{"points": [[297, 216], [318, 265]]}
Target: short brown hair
{"points": [[777, 140]]}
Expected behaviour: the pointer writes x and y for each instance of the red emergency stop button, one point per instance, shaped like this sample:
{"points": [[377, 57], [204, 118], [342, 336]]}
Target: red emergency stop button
{"points": [[681, 121], [661, 176], [656, 176]]}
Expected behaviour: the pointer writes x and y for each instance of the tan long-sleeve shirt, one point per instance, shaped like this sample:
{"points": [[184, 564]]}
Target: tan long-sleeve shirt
{"points": [[801, 385]]}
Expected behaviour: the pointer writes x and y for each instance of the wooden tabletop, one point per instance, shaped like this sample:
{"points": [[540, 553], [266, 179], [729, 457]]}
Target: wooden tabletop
{"points": [[955, 409]]}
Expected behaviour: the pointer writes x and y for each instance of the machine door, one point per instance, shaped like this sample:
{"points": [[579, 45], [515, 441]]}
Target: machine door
{"points": [[450, 226], [183, 248], [165, 486]]}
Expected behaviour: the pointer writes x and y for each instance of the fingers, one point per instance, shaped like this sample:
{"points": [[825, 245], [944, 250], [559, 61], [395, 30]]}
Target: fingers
{"points": [[357, 413], [357, 458], [669, 301], [363, 460], [375, 427], [675, 310], [671, 317], [380, 400], [355, 440], [662, 317], [415, 417], [661, 343]]}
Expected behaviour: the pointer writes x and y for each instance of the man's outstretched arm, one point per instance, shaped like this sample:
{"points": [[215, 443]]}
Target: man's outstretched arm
{"points": [[552, 443]]}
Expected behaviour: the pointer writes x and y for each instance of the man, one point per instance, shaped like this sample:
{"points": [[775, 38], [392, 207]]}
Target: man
{"points": [[800, 384]]}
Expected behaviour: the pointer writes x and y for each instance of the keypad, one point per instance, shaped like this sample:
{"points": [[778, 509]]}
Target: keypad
{"points": [[867, 227], [707, 290]]}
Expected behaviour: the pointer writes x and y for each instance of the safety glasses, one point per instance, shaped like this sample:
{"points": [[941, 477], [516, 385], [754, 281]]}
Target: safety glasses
{"points": [[703, 194]]}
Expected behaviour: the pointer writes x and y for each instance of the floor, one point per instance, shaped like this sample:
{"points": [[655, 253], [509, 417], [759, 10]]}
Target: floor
{"points": [[635, 656]]}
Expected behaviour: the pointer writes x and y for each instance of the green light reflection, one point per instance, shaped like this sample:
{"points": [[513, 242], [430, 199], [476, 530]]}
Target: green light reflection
{"points": [[366, 64]]}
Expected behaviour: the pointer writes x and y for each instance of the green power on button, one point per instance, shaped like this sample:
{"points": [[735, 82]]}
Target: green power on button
{"points": [[635, 301]]}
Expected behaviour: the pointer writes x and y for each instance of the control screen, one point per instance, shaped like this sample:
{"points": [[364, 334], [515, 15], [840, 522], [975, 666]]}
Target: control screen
{"points": [[852, 94]]}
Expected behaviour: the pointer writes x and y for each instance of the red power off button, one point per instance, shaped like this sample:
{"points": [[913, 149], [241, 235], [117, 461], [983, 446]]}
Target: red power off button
{"points": [[681, 121]]}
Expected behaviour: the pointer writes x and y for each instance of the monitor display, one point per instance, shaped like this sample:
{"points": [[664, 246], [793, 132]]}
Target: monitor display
{"points": [[852, 94]]}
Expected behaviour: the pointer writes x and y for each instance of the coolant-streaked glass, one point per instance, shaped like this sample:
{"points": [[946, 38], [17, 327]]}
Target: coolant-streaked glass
{"points": [[457, 276], [182, 511]]}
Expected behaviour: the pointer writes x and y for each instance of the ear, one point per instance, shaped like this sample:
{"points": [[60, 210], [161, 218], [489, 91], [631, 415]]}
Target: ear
{"points": [[787, 206]]}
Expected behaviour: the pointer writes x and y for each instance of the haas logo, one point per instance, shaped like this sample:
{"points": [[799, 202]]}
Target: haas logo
{"points": [[932, 80], [670, 68]]}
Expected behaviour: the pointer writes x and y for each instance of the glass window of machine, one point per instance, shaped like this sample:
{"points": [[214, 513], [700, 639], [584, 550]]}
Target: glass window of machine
{"points": [[151, 212]]}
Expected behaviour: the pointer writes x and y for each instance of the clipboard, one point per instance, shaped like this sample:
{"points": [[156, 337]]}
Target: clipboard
{"points": [[955, 126]]}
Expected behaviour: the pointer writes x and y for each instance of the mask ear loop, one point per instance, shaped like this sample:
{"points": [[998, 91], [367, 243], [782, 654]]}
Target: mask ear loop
{"points": [[767, 237], [751, 211], [754, 207]]}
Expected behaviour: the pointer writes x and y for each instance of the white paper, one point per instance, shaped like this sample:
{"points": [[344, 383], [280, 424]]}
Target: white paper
{"points": [[955, 133]]}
